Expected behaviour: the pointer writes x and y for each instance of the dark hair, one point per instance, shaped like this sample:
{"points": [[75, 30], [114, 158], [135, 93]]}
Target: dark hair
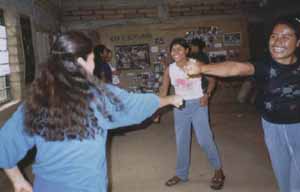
{"points": [[199, 43], [179, 41], [108, 50], [99, 49], [291, 21], [98, 59], [198, 57], [58, 104]]}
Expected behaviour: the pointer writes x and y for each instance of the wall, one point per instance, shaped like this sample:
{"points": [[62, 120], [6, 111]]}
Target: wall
{"points": [[147, 34], [93, 14], [43, 18], [112, 36]]}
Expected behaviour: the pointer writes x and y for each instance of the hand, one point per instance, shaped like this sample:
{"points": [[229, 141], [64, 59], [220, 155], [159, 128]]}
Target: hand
{"points": [[176, 100], [193, 68], [204, 100], [156, 119], [21, 185]]}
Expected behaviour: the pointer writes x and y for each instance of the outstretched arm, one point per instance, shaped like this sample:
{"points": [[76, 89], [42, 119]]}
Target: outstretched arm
{"points": [[136, 107], [174, 100], [223, 69]]}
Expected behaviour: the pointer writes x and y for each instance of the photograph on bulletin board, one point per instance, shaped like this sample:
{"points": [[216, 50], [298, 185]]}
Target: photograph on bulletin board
{"points": [[232, 39], [132, 56]]}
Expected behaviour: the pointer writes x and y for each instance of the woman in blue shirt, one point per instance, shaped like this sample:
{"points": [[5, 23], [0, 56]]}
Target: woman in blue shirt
{"points": [[278, 81], [66, 116]]}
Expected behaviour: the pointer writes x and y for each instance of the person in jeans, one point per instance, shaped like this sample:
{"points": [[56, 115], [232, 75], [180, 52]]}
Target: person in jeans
{"points": [[193, 114], [278, 99]]}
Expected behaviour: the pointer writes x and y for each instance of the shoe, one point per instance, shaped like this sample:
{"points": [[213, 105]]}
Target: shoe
{"points": [[174, 180], [217, 182]]}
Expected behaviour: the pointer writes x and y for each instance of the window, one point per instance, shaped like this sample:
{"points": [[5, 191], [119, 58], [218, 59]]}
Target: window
{"points": [[4, 65]]}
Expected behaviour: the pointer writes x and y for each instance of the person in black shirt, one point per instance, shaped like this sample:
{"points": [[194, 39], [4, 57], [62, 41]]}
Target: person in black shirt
{"points": [[208, 83], [278, 82], [197, 46], [102, 69]]}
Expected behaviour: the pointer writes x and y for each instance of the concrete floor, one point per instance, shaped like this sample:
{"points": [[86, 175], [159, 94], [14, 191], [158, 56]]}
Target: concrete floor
{"points": [[143, 159]]}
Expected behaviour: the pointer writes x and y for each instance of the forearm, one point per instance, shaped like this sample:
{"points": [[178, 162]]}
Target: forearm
{"points": [[164, 101], [14, 174], [170, 100], [228, 68], [211, 85], [163, 91]]}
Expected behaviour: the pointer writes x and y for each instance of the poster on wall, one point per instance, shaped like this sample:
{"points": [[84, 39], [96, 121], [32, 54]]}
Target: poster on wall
{"points": [[132, 56], [232, 39]]}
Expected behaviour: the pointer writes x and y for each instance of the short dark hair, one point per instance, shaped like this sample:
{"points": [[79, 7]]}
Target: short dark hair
{"points": [[179, 41], [199, 43], [291, 21], [99, 49], [108, 50]]}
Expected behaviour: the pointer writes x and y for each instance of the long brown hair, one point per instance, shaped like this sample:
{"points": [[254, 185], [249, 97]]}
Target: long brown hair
{"points": [[58, 103]]}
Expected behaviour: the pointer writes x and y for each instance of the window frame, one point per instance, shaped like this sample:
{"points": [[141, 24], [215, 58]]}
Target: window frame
{"points": [[6, 84]]}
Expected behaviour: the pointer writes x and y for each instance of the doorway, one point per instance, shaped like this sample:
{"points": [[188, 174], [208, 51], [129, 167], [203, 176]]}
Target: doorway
{"points": [[28, 49]]}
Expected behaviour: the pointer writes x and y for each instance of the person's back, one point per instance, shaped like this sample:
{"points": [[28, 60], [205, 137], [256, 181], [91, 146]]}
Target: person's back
{"points": [[66, 115]]}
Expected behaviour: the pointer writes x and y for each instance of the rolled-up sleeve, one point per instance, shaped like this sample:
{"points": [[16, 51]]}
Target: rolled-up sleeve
{"points": [[137, 107], [14, 141]]}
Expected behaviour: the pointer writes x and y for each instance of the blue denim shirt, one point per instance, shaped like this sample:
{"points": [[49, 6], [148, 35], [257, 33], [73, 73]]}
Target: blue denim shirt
{"points": [[72, 165]]}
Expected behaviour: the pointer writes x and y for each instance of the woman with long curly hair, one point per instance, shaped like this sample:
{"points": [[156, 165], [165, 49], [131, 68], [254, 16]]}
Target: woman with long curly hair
{"points": [[66, 116]]}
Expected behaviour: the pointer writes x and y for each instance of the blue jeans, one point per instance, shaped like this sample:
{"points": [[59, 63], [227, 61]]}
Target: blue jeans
{"points": [[283, 143], [193, 114]]}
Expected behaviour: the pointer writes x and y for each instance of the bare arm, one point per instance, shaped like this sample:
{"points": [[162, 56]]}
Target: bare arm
{"points": [[19, 182], [223, 69], [163, 91], [211, 85], [174, 100]]}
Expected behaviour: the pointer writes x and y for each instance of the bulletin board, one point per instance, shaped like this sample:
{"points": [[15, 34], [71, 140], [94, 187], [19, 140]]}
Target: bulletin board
{"points": [[132, 56]]}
